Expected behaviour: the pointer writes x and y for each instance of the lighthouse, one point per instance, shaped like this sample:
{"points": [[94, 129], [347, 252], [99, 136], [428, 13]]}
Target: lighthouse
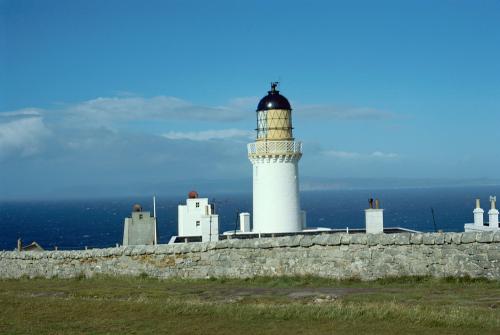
{"points": [[275, 156]]}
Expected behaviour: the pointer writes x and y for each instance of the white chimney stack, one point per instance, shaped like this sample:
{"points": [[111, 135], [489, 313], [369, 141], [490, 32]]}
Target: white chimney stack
{"points": [[374, 217], [478, 214], [245, 222], [493, 213]]}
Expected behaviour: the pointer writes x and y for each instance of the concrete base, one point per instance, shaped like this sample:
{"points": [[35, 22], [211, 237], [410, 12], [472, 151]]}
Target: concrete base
{"points": [[473, 227]]}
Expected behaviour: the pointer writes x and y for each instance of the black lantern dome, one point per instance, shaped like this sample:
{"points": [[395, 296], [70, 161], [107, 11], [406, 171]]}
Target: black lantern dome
{"points": [[273, 100]]}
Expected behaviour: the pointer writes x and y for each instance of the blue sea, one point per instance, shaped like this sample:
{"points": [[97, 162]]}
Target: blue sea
{"points": [[75, 224]]}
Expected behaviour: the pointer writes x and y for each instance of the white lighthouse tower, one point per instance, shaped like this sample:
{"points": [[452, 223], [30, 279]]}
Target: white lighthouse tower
{"points": [[275, 156]]}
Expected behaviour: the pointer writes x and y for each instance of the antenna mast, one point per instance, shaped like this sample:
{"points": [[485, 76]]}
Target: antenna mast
{"points": [[154, 215]]}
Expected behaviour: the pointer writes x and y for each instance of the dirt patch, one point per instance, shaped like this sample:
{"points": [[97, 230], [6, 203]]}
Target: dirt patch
{"points": [[318, 294]]}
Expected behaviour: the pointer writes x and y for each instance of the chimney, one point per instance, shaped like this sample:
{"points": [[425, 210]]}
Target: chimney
{"points": [[478, 214], [374, 218], [493, 213], [245, 222]]}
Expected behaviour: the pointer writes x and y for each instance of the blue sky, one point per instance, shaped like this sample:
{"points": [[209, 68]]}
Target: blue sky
{"points": [[109, 92]]}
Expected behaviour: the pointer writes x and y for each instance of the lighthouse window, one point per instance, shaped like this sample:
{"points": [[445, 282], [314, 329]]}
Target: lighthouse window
{"points": [[262, 124], [140, 216], [197, 204], [197, 223]]}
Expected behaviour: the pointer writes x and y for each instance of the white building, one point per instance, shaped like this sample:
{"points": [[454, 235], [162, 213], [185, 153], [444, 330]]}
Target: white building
{"points": [[197, 218], [275, 156], [479, 224]]}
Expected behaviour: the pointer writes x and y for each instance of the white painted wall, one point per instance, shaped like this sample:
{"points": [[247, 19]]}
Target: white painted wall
{"points": [[479, 217], [276, 204], [209, 228], [374, 219], [493, 218], [190, 216]]}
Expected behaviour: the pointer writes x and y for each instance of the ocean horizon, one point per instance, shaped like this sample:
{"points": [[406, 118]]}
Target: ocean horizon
{"points": [[98, 223]]}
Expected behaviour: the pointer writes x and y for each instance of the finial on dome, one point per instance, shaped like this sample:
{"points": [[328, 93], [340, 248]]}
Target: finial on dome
{"points": [[273, 99], [274, 84]]}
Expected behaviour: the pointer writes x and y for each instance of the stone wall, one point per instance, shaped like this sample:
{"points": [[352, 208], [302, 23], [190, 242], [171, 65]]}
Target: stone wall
{"points": [[364, 256]]}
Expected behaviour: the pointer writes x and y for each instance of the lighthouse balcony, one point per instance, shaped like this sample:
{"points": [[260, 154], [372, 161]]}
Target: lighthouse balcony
{"points": [[274, 148]]}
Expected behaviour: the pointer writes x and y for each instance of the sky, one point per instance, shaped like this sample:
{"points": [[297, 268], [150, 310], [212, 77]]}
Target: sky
{"points": [[108, 97]]}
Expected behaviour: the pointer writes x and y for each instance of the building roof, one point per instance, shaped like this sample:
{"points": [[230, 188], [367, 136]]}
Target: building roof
{"points": [[273, 100], [32, 247]]}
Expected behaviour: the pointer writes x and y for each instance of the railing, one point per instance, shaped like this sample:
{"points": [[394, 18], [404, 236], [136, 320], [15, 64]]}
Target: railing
{"points": [[275, 148]]}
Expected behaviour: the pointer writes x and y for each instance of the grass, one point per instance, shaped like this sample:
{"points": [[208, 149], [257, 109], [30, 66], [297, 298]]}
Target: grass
{"points": [[294, 305]]}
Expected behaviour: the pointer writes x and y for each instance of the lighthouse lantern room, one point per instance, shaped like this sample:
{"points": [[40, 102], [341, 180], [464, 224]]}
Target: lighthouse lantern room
{"points": [[275, 156]]}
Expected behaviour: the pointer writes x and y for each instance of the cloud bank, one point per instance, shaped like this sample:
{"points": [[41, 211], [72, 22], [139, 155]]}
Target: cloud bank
{"points": [[357, 155], [207, 135], [128, 139]]}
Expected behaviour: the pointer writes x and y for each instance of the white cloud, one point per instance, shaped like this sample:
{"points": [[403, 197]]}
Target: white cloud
{"points": [[357, 155], [380, 154], [23, 136], [342, 154], [111, 110], [206, 135], [21, 113]]}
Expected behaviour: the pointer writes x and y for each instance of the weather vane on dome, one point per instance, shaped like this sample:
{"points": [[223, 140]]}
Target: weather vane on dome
{"points": [[274, 84]]}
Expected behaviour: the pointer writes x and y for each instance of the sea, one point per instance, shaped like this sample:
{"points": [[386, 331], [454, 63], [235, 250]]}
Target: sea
{"points": [[98, 223]]}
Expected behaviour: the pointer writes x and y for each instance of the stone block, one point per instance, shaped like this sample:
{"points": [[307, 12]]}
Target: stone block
{"points": [[439, 238], [224, 244], [484, 237], [456, 238], [387, 239], [496, 236], [209, 245], [282, 242], [468, 237], [263, 243], [334, 239], [493, 255], [345, 239], [416, 238], [321, 239], [307, 241], [428, 238], [402, 238], [195, 247], [372, 239], [294, 241], [359, 239]]}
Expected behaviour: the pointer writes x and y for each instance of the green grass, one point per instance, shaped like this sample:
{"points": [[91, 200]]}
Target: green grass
{"points": [[295, 305]]}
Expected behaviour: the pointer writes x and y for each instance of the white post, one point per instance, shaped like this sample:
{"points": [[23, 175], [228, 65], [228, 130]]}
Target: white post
{"points": [[154, 205], [478, 214], [245, 222], [493, 213]]}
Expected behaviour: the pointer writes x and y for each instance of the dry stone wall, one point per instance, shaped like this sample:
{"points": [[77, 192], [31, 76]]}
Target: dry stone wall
{"points": [[364, 256]]}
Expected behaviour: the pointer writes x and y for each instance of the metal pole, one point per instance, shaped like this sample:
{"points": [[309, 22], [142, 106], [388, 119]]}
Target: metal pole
{"points": [[154, 214], [434, 220], [154, 206]]}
